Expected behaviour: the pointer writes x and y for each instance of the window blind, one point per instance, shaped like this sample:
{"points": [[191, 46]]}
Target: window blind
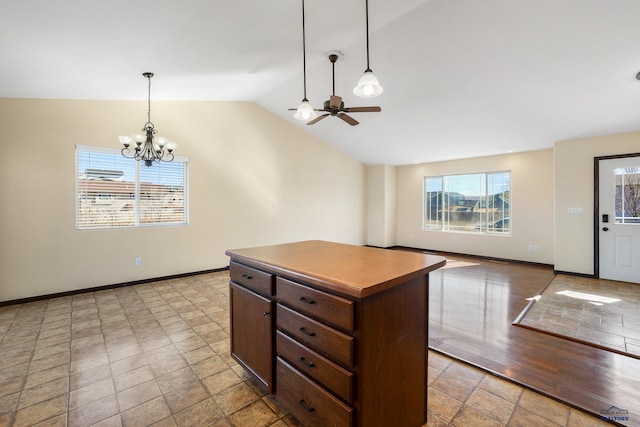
{"points": [[113, 191]]}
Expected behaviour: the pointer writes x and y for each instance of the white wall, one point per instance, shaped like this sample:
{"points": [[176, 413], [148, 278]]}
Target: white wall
{"points": [[254, 180], [574, 182], [381, 206], [531, 208]]}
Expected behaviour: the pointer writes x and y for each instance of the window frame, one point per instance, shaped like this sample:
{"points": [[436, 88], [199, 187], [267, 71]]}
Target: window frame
{"points": [[484, 199], [138, 223]]}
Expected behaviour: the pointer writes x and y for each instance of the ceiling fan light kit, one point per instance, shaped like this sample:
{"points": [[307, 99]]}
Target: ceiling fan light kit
{"points": [[335, 106], [368, 85]]}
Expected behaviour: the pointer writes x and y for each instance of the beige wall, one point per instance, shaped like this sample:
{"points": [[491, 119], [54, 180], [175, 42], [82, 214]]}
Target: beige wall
{"points": [[254, 180], [574, 189], [381, 206], [531, 210]]}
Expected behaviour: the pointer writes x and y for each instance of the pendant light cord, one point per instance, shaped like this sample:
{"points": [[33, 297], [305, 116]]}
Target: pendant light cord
{"points": [[366, 3], [304, 55]]}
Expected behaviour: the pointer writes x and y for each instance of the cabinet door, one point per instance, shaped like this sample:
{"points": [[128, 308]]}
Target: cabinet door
{"points": [[252, 333]]}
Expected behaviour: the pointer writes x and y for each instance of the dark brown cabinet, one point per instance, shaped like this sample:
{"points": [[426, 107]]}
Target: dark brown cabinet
{"points": [[345, 339], [252, 333]]}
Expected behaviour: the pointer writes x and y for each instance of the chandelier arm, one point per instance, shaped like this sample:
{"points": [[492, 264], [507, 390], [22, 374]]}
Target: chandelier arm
{"points": [[127, 153]]}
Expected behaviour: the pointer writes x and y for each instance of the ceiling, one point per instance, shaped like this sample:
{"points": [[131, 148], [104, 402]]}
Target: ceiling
{"points": [[462, 78]]}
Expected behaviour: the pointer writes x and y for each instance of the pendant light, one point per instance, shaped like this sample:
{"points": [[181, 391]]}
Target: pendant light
{"points": [[305, 111], [148, 148], [368, 85]]}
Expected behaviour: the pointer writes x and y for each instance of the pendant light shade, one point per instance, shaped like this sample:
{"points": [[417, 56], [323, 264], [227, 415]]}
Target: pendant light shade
{"points": [[305, 111], [368, 85]]}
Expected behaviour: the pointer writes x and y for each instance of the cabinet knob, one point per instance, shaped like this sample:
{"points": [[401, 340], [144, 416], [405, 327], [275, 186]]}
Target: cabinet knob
{"points": [[266, 314], [248, 277]]}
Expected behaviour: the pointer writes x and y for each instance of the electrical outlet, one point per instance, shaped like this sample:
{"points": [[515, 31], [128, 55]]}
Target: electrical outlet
{"points": [[530, 248], [138, 262]]}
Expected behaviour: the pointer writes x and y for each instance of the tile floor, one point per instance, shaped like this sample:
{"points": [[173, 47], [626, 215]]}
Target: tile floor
{"points": [[158, 354], [602, 312]]}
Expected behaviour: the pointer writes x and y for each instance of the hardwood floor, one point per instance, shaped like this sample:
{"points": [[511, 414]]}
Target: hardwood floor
{"points": [[473, 303]]}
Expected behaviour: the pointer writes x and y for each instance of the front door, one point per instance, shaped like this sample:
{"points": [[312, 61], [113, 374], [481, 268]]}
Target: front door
{"points": [[619, 219]]}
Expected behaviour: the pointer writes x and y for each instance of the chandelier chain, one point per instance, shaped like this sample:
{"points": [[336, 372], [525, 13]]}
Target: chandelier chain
{"points": [[149, 100]]}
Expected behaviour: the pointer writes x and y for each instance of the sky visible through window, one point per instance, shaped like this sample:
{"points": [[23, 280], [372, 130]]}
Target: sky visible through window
{"points": [[471, 184], [159, 173]]}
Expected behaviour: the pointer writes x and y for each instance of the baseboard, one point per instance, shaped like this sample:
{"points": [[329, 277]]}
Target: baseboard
{"points": [[486, 258], [569, 273]]}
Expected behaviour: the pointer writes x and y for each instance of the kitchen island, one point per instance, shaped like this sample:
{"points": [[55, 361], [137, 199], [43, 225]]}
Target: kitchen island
{"points": [[337, 332]]}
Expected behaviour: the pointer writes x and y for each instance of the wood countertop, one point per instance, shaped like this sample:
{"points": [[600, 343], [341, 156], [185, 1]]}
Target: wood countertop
{"points": [[356, 271]]}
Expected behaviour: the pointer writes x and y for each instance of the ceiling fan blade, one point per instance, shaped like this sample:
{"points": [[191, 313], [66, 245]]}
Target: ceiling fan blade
{"points": [[348, 119], [362, 110], [335, 101], [317, 119]]}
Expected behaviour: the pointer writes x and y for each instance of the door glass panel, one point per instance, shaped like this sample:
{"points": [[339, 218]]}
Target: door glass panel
{"points": [[627, 191]]}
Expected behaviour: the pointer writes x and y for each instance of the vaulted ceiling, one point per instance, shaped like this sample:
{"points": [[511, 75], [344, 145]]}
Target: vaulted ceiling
{"points": [[462, 78]]}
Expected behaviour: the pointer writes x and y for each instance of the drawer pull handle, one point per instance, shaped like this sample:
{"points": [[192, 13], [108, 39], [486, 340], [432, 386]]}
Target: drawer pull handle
{"points": [[306, 407], [265, 314], [307, 333], [307, 301], [307, 364], [246, 276]]}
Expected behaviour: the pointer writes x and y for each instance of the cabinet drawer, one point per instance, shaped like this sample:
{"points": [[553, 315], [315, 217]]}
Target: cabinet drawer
{"points": [[256, 280], [334, 344], [307, 401], [336, 379], [329, 308]]}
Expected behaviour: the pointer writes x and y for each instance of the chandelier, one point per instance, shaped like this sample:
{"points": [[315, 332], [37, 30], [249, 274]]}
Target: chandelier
{"points": [[147, 147]]}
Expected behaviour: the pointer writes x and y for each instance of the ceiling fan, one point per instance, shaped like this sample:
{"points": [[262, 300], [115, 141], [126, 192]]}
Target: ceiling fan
{"points": [[335, 107]]}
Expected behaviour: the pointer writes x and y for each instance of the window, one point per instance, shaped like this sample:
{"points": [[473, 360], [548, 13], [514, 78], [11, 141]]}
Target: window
{"points": [[113, 191], [476, 203], [627, 195]]}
